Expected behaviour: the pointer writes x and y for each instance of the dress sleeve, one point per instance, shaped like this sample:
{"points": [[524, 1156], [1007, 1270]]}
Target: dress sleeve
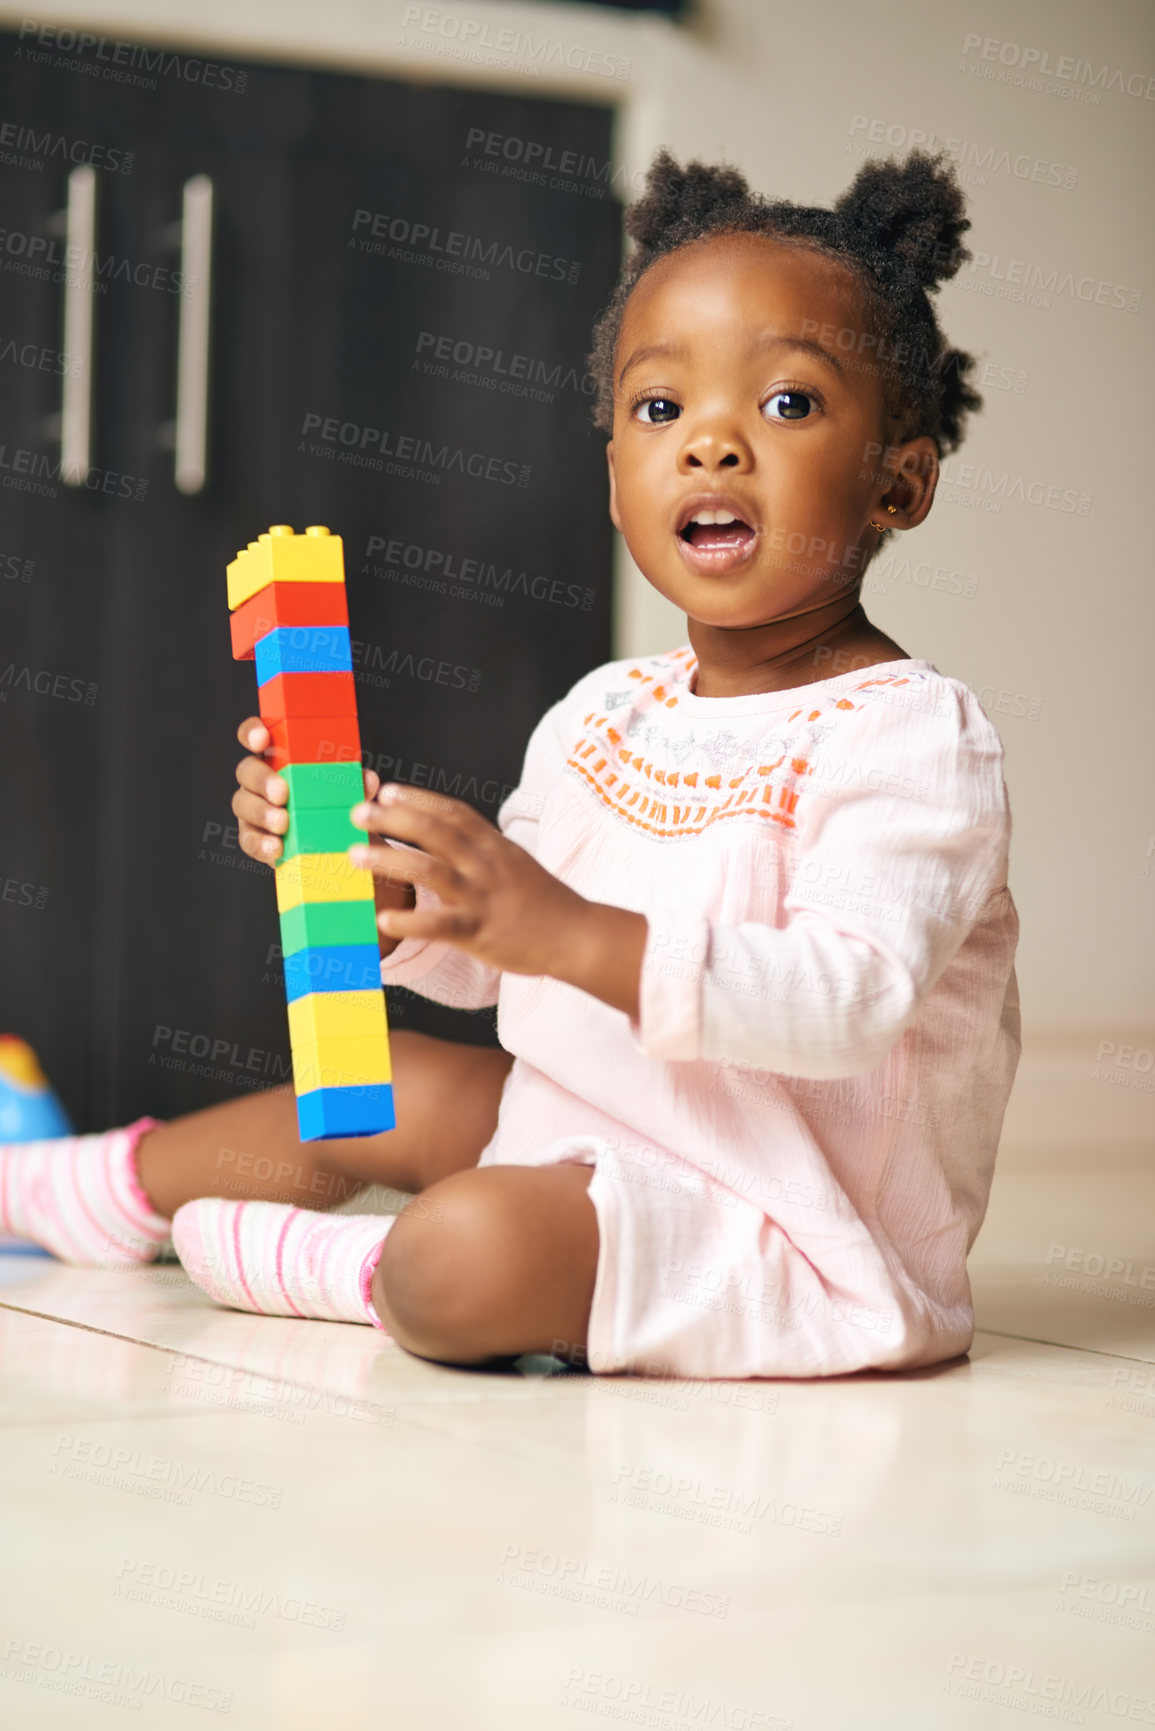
{"points": [[435, 968], [902, 838]]}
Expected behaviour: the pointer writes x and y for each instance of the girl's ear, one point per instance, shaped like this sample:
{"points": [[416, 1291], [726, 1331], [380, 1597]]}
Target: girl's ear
{"points": [[912, 490], [614, 518]]}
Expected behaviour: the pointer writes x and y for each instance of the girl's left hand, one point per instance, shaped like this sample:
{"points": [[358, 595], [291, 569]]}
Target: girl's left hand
{"points": [[497, 903]]}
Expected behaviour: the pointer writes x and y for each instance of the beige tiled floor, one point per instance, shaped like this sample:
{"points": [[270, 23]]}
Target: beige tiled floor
{"points": [[295, 1526]]}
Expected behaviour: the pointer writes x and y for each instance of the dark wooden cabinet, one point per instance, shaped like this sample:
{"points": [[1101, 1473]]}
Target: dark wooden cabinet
{"points": [[398, 352]]}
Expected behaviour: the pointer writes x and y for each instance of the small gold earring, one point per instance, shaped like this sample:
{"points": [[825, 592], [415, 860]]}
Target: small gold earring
{"points": [[893, 509], [881, 527]]}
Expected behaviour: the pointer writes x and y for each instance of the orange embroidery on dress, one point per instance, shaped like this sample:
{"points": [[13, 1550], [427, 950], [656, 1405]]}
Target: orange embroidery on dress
{"points": [[614, 737], [844, 703], [691, 780], [814, 714], [713, 781], [800, 766]]}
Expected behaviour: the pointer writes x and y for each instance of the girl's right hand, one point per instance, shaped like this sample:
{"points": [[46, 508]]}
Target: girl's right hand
{"points": [[259, 808]]}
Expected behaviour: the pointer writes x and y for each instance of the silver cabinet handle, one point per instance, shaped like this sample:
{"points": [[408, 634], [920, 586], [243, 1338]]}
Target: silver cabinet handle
{"points": [[192, 366], [79, 301]]}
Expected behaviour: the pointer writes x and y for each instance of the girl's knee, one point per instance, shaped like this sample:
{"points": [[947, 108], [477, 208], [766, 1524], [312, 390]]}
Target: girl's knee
{"points": [[442, 1269]]}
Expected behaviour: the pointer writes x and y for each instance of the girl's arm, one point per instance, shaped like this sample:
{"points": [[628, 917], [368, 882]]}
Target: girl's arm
{"points": [[902, 839]]}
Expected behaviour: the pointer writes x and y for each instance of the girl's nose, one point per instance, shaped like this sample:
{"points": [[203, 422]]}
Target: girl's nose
{"points": [[716, 446]]}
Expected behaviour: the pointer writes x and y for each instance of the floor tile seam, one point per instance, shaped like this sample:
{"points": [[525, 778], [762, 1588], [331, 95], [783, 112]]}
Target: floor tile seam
{"points": [[1063, 1345], [445, 1398], [165, 1412]]}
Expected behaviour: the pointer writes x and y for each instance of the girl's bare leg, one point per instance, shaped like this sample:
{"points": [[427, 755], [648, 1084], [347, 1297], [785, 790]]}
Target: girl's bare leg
{"points": [[446, 1097], [491, 1264]]}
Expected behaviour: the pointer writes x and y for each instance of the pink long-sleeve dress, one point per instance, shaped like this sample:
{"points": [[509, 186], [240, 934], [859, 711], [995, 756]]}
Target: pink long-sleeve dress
{"points": [[794, 1141]]}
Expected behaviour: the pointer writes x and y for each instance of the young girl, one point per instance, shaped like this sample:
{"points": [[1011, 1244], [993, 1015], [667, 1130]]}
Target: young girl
{"points": [[746, 917]]}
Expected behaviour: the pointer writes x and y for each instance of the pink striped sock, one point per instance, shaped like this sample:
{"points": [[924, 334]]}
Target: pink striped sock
{"points": [[281, 1261], [80, 1197]]}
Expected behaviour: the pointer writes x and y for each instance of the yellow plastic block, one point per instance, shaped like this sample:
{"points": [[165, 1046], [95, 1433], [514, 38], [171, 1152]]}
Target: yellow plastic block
{"points": [[349, 1063], [282, 556], [321, 877], [320, 1017]]}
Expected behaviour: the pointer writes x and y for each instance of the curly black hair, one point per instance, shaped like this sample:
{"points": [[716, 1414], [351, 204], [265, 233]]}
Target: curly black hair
{"points": [[897, 227]]}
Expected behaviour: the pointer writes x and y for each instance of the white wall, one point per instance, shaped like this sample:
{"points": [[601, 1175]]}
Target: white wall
{"points": [[1046, 612]]}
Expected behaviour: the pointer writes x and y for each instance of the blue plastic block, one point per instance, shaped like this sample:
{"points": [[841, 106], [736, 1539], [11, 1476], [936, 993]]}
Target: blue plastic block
{"points": [[333, 968], [328, 1112], [303, 649]]}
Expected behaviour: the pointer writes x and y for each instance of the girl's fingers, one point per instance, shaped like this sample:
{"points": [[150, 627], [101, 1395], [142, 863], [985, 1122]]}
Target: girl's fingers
{"points": [[254, 774], [253, 733], [450, 830], [408, 923], [250, 808], [404, 865], [372, 783], [258, 844]]}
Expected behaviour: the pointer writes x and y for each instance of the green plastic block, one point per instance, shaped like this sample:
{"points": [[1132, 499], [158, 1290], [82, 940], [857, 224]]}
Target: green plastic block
{"points": [[320, 829], [316, 925], [324, 784]]}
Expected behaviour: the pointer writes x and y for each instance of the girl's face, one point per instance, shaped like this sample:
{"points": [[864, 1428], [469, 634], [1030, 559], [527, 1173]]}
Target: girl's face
{"points": [[732, 396]]}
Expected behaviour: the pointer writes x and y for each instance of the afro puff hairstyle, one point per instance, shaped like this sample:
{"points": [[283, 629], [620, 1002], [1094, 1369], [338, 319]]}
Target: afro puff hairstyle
{"points": [[898, 228]]}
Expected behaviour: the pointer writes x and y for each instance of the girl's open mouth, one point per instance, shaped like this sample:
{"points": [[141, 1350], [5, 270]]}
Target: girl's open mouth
{"points": [[715, 540]]}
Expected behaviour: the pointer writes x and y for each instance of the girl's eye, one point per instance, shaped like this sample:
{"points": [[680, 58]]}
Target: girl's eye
{"points": [[788, 406], [661, 410]]}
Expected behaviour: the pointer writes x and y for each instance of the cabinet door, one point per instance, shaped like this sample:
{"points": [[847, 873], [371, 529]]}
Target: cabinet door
{"points": [[398, 351]]}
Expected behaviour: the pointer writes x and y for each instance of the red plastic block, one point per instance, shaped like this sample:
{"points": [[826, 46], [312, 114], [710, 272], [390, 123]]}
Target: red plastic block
{"points": [[308, 694], [285, 604], [313, 739]]}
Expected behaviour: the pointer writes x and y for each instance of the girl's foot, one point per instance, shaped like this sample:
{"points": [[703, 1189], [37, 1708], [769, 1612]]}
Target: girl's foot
{"points": [[280, 1261], [80, 1198]]}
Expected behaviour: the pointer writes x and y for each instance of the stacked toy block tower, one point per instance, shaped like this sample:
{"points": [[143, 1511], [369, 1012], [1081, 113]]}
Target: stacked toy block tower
{"points": [[290, 616]]}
